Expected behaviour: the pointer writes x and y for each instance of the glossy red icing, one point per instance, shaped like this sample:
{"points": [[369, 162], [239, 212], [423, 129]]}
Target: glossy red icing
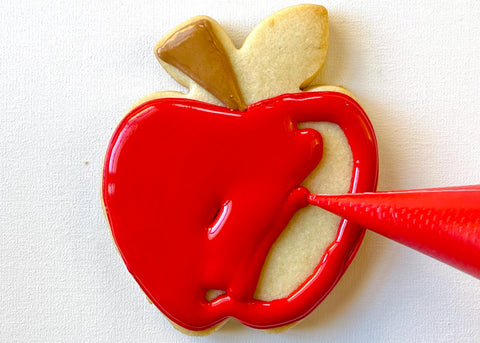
{"points": [[196, 194]]}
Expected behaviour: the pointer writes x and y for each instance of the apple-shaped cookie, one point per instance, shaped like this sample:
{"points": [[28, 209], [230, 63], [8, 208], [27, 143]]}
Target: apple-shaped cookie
{"points": [[196, 194]]}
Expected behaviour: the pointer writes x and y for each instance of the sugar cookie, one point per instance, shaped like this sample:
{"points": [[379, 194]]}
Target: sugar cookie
{"points": [[205, 192]]}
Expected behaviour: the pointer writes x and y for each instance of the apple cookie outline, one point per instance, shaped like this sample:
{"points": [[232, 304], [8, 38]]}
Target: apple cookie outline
{"points": [[278, 21]]}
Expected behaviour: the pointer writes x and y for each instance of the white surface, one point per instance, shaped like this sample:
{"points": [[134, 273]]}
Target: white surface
{"points": [[69, 71]]}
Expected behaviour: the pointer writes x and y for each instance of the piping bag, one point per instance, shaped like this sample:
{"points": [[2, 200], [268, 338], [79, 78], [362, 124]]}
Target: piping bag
{"points": [[443, 223]]}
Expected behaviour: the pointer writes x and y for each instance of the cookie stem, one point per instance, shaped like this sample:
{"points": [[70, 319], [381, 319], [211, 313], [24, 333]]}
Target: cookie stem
{"points": [[197, 52]]}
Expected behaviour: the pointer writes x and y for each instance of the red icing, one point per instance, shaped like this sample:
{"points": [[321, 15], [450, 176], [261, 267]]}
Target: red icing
{"points": [[196, 194]]}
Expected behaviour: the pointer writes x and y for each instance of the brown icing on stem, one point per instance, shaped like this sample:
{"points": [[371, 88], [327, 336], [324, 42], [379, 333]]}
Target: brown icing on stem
{"points": [[197, 52]]}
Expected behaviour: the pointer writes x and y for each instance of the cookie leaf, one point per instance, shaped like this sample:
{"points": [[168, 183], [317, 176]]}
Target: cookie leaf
{"points": [[283, 53]]}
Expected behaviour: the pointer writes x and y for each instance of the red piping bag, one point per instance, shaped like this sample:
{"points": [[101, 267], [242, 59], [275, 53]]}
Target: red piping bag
{"points": [[443, 223]]}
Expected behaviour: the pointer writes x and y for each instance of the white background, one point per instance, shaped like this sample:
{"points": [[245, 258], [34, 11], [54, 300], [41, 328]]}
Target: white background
{"points": [[70, 70]]}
